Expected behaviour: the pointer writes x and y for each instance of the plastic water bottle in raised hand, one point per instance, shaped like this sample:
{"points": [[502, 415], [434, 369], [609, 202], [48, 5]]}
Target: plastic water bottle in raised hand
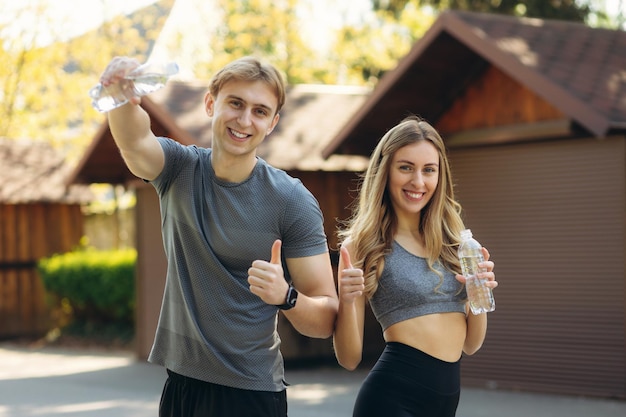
{"points": [[480, 296], [143, 80]]}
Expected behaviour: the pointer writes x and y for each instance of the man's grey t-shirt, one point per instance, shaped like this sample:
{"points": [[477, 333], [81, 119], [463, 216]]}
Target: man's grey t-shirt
{"points": [[211, 326]]}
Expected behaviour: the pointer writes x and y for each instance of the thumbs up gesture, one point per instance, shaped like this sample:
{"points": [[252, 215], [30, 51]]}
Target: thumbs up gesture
{"points": [[351, 280], [267, 279]]}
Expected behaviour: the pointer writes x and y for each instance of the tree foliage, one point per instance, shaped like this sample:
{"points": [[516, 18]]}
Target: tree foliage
{"points": [[45, 77], [268, 29], [367, 51], [573, 10]]}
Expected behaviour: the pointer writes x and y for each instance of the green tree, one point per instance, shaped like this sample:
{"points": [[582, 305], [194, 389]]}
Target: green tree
{"points": [[28, 69], [574, 10], [369, 49], [265, 28], [45, 76]]}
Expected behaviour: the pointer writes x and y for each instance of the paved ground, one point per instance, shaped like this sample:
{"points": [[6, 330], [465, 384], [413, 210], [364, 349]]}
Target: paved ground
{"points": [[52, 382]]}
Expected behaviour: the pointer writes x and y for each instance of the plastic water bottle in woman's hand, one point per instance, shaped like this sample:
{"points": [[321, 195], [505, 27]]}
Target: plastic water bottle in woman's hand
{"points": [[143, 80], [479, 295]]}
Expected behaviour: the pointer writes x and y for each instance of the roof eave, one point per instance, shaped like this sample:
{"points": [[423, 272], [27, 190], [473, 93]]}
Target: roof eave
{"points": [[449, 22], [567, 103], [386, 82]]}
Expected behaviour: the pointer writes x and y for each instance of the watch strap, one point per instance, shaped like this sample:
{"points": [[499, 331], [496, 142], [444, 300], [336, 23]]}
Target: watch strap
{"points": [[290, 299]]}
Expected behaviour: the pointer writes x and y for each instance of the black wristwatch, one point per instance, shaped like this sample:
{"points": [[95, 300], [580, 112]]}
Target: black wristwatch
{"points": [[290, 299]]}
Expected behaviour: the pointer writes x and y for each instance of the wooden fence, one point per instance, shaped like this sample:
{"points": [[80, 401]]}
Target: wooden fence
{"points": [[29, 232]]}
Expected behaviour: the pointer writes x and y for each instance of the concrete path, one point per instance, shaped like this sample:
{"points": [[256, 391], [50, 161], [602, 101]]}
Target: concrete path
{"points": [[53, 382]]}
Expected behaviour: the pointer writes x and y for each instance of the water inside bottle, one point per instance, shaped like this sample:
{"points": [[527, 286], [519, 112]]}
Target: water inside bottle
{"points": [[148, 83], [469, 264], [108, 98], [480, 296]]}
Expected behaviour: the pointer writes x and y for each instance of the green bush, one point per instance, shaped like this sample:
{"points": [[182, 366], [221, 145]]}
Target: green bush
{"points": [[95, 286]]}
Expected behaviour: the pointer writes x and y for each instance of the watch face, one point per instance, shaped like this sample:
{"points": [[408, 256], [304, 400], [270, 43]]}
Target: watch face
{"points": [[290, 300], [292, 296]]}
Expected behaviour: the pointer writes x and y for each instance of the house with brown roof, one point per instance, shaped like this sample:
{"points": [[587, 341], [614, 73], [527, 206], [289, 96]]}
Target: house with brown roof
{"points": [[39, 216], [534, 116], [533, 113]]}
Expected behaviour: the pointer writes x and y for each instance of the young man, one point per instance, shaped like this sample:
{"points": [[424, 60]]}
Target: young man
{"points": [[224, 213]]}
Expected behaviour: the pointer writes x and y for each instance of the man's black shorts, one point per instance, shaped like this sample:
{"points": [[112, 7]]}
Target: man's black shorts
{"points": [[188, 397]]}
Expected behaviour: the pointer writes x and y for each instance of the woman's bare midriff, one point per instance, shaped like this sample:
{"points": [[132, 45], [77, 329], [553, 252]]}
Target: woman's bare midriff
{"points": [[440, 335]]}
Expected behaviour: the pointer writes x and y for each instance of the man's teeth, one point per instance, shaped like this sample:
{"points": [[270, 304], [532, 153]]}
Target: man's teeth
{"points": [[238, 134]]}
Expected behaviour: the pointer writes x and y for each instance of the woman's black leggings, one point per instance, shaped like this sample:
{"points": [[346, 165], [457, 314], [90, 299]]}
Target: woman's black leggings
{"points": [[406, 382]]}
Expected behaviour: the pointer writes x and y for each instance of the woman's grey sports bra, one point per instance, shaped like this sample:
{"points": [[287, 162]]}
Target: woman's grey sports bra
{"points": [[408, 288]]}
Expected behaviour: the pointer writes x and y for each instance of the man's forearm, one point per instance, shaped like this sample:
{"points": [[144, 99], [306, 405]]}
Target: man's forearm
{"points": [[142, 153], [129, 124], [314, 316]]}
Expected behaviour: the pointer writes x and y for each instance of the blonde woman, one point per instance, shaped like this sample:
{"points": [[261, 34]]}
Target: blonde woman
{"points": [[399, 254]]}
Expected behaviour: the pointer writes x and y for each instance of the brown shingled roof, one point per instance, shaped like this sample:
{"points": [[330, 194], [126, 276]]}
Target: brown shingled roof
{"points": [[34, 171], [579, 70], [310, 118]]}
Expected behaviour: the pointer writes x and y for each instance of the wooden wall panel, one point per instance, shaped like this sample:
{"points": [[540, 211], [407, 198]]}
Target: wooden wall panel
{"points": [[335, 192], [495, 100], [29, 232]]}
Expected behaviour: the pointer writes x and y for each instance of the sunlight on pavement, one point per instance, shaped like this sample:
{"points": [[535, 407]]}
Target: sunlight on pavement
{"points": [[315, 393], [79, 409], [38, 363]]}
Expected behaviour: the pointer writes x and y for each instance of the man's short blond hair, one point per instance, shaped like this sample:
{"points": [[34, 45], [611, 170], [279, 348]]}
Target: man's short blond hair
{"points": [[250, 69]]}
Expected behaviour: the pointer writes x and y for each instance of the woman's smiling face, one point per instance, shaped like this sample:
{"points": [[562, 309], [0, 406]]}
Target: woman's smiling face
{"points": [[413, 177]]}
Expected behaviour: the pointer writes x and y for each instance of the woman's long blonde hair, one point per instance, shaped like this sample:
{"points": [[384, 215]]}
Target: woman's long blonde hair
{"points": [[372, 226]]}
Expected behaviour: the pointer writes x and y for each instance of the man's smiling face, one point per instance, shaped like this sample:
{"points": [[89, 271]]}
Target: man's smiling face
{"points": [[244, 113]]}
